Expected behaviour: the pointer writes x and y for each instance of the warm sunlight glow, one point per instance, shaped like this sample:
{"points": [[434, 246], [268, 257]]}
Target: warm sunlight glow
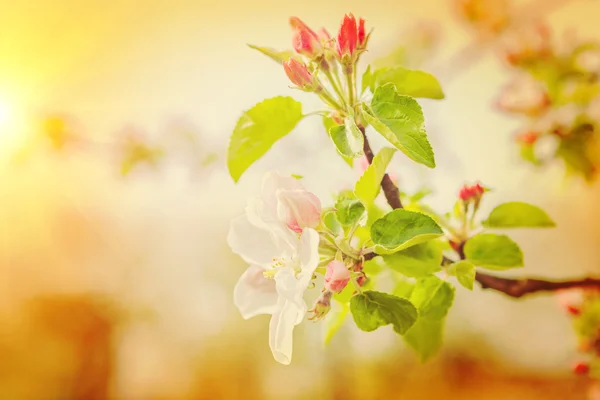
{"points": [[5, 115]]}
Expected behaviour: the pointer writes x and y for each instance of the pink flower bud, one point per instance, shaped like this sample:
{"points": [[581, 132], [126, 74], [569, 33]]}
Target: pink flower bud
{"points": [[347, 36], [337, 276], [581, 368], [305, 40], [324, 36], [528, 138], [299, 209], [298, 73]]}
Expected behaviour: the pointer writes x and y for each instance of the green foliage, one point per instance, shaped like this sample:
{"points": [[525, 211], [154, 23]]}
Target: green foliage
{"points": [[400, 120], [258, 129], [433, 298], [408, 82], [372, 310], [348, 139], [518, 215], [367, 187], [400, 229], [464, 272], [492, 251], [349, 211], [417, 261], [276, 55], [329, 123]]}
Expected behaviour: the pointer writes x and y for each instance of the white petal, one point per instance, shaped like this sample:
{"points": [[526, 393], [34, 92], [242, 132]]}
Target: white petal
{"points": [[291, 288], [255, 245], [281, 329], [309, 251], [254, 294], [274, 181]]}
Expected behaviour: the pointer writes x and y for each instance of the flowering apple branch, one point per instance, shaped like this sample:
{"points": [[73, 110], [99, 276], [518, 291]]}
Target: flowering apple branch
{"points": [[288, 238]]}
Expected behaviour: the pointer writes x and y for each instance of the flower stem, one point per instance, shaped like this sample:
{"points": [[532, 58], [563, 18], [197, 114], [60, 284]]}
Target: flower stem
{"points": [[349, 72], [335, 85], [328, 98]]}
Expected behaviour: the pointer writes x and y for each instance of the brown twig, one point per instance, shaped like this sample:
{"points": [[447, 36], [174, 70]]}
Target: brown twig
{"points": [[513, 287], [390, 190]]}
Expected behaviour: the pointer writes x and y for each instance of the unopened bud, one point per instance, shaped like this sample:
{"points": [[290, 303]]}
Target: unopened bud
{"points": [[573, 310], [581, 368], [305, 40], [528, 138], [337, 276], [298, 74], [322, 306]]}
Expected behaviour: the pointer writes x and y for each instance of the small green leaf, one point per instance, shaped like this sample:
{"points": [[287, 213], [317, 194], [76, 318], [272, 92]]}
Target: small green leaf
{"points": [[433, 297], [349, 211], [400, 229], [416, 261], [367, 187], [425, 337], [408, 82], [372, 310], [329, 123], [330, 221], [368, 79], [464, 272], [400, 120], [348, 139], [518, 215], [276, 55], [258, 129], [334, 321], [492, 251]]}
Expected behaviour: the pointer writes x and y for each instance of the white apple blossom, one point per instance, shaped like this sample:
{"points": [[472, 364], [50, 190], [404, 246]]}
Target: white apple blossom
{"points": [[282, 260]]}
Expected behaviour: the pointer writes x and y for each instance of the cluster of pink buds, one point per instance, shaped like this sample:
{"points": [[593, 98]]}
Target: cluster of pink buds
{"points": [[337, 276], [318, 52]]}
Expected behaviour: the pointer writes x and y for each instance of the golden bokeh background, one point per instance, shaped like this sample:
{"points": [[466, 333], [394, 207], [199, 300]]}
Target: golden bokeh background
{"points": [[119, 287]]}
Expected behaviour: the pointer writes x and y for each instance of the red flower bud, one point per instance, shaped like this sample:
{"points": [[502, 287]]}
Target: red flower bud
{"points": [[469, 193], [347, 36], [298, 73], [573, 310], [361, 32], [528, 138], [305, 40], [581, 368]]}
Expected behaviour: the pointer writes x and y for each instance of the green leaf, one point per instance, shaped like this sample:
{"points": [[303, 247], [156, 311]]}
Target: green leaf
{"points": [[334, 321], [400, 120], [400, 229], [425, 337], [329, 123], [492, 251], [276, 55], [403, 288], [416, 261], [349, 211], [330, 221], [464, 272], [348, 139], [433, 297], [518, 215], [258, 129], [367, 187], [368, 79], [372, 310], [409, 82]]}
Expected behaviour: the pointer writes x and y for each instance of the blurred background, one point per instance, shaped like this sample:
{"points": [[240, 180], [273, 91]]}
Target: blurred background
{"points": [[115, 203]]}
